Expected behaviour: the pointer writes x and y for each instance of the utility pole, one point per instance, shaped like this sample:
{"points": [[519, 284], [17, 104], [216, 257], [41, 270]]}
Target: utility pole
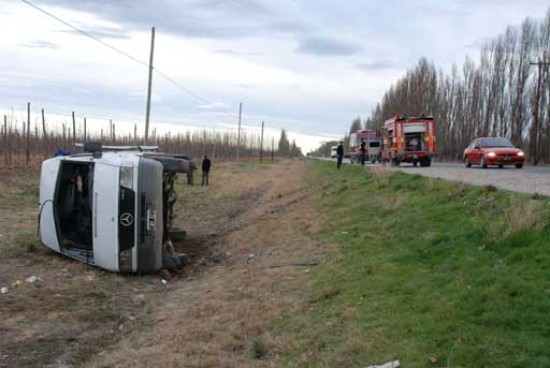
{"points": [[262, 143], [272, 148], [149, 85], [534, 136], [239, 131], [85, 136]]}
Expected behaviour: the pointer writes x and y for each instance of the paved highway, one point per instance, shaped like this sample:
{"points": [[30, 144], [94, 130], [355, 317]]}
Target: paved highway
{"points": [[530, 179]]}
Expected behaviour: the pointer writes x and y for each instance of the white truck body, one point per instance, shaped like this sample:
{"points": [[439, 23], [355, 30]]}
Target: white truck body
{"points": [[107, 209]]}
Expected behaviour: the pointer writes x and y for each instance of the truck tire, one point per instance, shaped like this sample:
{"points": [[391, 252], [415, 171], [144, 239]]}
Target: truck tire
{"points": [[426, 163]]}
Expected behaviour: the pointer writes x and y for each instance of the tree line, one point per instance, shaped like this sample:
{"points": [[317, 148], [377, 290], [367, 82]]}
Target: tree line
{"points": [[22, 143], [505, 93]]}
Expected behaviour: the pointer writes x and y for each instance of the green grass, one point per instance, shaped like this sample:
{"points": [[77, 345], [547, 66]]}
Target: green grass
{"points": [[421, 269], [25, 196]]}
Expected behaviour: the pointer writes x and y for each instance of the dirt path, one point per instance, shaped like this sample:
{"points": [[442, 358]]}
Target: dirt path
{"points": [[243, 231], [218, 316]]}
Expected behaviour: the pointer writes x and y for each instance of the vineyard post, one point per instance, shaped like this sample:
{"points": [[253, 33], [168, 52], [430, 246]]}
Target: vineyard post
{"points": [[262, 143], [239, 131], [272, 148], [6, 141], [84, 129], [28, 132], [74, 130], [43, 124]]}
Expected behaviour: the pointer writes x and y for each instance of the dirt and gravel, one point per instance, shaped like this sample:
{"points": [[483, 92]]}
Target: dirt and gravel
{"points": [[247, 233]]}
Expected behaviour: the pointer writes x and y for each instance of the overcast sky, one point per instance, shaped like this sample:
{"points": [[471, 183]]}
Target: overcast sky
{"points": [[308, 66]]}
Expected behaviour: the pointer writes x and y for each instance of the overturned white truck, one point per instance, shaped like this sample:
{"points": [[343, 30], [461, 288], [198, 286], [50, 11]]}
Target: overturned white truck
{"points": [[112, 207]]}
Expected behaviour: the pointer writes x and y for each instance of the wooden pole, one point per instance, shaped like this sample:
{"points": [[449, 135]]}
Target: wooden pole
{"points": [[262, 144], [239, 130], [85, 130], [272, 148], [6, 140], [149, 85], [74, 130], [28, 132], [43, 125], [135, 133]]}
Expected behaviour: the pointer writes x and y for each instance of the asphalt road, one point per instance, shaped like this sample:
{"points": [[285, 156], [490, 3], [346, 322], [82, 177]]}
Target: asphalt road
{"points": [[529, 179]]}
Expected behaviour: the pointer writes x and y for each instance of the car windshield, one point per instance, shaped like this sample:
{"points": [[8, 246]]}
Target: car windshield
{"points": [[495, 142]]}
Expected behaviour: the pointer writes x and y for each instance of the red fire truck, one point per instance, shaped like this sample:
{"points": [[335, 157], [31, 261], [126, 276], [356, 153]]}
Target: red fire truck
{"points": [[372, 145], [409, 139]]}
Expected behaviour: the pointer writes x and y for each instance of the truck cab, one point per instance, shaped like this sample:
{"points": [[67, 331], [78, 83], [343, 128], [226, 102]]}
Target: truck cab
{"points": [[410, 139], [111, 207]]}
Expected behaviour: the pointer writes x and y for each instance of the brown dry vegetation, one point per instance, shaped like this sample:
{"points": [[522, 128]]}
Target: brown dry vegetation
{"points": [[215, 313]]}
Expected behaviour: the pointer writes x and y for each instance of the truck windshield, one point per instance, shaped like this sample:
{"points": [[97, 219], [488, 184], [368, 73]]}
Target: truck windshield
{"points": [[73, 206]]}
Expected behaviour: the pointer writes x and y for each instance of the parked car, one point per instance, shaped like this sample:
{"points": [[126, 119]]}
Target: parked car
{"points": [[496, 151]]}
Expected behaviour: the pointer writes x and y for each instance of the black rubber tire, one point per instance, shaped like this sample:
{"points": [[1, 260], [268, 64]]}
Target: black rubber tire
{"points": [[467, 163], [519, 166], [415, 163], [482, 163], [500, 166]]}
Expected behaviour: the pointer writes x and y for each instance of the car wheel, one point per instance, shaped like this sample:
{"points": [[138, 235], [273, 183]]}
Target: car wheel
{"points": [[467, 162], [519, 166], [500, 166], [415, 163], [482, 163]]}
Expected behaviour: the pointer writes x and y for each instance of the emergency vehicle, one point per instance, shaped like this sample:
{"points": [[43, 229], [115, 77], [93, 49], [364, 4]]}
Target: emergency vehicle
{"points": [[409, 139]]}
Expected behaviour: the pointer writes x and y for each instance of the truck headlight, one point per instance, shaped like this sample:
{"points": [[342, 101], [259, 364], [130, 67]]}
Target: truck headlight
{"points": [[491, 154], [127, 177], [521, 154]]}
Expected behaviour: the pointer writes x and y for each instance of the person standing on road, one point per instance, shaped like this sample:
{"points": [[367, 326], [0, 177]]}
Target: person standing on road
{"points": [[205, 170], [363, 150], [339, 155]]}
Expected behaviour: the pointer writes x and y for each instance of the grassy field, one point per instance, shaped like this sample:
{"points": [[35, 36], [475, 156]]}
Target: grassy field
{"points": [[425, 271]]}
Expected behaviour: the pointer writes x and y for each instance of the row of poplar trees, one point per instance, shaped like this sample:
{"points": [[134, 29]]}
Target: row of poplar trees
{"points": [[505, 93]]}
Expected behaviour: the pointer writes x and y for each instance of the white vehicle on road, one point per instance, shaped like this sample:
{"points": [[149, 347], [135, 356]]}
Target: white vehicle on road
{"points": [[333, 151]]}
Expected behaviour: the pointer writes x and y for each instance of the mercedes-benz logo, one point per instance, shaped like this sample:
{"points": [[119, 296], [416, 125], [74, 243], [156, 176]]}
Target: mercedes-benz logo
{"points": [[126, 219]]}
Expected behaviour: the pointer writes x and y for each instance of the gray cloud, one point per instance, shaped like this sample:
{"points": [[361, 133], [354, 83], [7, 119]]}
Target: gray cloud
{"points": [[222, 19], [375, 65], [40, 44], [322, 46], [101, 33]]}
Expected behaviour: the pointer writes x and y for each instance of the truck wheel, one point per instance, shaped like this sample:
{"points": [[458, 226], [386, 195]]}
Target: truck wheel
{"points": [[426, 163], [415, 163]]}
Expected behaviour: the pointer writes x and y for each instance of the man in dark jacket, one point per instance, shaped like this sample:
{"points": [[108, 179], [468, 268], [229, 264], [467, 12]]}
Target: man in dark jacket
{"points": [[339, 155], [205, 170], [363, 151]]}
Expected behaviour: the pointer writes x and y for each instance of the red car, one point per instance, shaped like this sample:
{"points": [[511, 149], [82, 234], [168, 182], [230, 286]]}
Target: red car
{"points": [[493, 151]]}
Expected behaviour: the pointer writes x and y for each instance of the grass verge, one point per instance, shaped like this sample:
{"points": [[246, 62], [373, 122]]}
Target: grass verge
{"points": [[425, 271]]}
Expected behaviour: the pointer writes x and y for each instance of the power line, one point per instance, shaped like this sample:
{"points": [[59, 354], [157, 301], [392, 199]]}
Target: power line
{"points": [[125, 54]]}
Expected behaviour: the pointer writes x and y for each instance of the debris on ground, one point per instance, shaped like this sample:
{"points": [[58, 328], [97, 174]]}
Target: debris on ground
{"points": [[4, 290], [32, 279], [17, 283], [392, 364]]}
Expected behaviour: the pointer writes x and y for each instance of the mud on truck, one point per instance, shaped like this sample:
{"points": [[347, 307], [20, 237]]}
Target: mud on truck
{"points": [[409, 139], [112, 207]]}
